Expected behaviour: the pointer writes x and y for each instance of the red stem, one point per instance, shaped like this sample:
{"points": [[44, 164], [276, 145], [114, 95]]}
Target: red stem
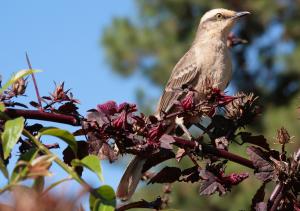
{"points": [[214, 151], [72, 120], [34, 83], [41, 115]]}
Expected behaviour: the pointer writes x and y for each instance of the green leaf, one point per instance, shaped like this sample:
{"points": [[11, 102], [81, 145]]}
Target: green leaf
{"points": [[2, 107], [15, 77], [11, 134], [3, 168], [106, 201], [64, 135], [90, 162]]}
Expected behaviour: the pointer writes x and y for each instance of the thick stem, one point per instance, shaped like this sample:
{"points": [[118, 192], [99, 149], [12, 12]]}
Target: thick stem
{"points": [[214, 151], [41, 115]]}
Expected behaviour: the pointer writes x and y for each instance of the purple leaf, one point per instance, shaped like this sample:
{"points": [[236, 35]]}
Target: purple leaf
{"points": [[256, 140], [264, 169], [166, 141], [68, 108], [258, 197], [98, 117], [211, 184], [261, 206], [68, 154], [191, 174], [166, 175], [34, 104]]}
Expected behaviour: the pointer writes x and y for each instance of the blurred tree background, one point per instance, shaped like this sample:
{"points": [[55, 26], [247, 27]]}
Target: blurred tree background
{"points": [[269, 66]]}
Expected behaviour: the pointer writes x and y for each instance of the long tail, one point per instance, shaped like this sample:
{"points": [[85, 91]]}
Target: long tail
{"points": [[131, 178]]}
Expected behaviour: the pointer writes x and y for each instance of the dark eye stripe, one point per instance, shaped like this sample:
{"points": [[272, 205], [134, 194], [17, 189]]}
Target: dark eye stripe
{"points": [[214, 18]]}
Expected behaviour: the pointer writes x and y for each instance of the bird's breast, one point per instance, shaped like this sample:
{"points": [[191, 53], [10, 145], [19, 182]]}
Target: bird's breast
{"points": [[215, 63]]}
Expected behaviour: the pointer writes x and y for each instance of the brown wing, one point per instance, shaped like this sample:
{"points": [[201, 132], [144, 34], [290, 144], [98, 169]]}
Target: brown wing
{"points": [[185, 72]]}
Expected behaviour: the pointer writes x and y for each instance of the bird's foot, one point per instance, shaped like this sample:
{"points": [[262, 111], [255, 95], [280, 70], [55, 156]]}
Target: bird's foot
{"points": [[180, 122]]}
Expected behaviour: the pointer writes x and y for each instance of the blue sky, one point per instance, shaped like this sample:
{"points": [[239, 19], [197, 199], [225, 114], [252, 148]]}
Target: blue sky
{"points": [[62, 38]]}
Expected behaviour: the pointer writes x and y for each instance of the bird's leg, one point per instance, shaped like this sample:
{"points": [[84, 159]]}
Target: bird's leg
{"points": [[180, 122]]}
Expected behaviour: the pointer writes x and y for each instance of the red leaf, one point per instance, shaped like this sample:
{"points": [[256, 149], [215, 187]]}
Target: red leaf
{"points": [[109, 108], [234, 178], [188, 102]]}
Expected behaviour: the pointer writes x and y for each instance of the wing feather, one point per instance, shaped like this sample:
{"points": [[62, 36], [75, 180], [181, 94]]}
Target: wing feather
{"points": [[184, 72]]}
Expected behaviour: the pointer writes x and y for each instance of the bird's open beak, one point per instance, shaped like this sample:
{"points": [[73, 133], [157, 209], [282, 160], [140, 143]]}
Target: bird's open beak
{"points": [[240, 14]]}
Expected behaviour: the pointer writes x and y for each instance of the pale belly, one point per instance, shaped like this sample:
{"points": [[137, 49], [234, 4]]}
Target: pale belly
{"points": [[216, 67]]}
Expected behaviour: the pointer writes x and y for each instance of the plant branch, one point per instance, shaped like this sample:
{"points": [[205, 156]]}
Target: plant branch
{"points": [[34, 83], [156, 204], [214, 151], [276, 196], [41, 115]]}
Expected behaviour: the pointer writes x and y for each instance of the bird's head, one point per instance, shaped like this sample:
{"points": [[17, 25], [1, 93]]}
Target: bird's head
{"points": [[219, 21]]}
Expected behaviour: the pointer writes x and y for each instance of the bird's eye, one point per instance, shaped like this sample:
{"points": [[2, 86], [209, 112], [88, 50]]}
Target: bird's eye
{"points": [[219, 16]]}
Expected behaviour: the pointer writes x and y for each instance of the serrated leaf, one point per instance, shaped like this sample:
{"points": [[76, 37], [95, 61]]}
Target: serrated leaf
{"points": [[90, 162], [106, 200], [211, 185], [15, 77], [264, 169], [64, 135], [11, 134], [258, 140]]}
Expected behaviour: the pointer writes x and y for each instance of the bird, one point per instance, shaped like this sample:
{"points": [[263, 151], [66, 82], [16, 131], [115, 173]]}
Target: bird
{"points": [[208, 57]]}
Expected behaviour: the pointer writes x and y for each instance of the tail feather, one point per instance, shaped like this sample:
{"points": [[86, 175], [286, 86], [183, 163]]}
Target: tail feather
{"points": [[131, 178]]}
